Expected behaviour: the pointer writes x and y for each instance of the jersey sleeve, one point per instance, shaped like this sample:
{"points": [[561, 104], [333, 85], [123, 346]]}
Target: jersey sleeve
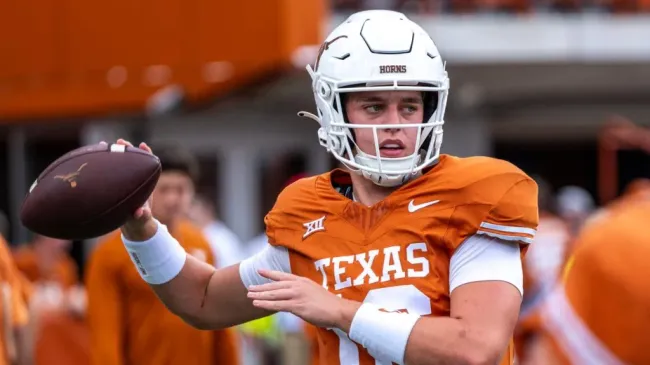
{"points": [[515, 216], [272, 222], [292, 213], [483, 258], [270, 258]]}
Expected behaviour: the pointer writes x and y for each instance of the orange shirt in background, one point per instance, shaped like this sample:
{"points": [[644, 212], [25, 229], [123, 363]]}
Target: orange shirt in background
{"points": [[64, 271], [130, 326], [62, 336], [600, 314], [12, 306]]}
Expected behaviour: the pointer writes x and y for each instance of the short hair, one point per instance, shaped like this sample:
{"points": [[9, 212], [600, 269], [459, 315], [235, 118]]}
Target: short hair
{"points": [[176, 158]]}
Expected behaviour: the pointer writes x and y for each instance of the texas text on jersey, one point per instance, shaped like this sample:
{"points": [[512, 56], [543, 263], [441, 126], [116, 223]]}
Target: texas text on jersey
{"points": [[396, 254]]}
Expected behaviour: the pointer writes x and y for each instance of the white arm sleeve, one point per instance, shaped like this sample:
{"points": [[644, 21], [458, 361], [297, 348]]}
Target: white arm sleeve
{"points": [[482, 258], [270, 258]]}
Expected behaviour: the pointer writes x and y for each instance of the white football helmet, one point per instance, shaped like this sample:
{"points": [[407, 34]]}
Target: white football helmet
{"points": [[379, 50]]}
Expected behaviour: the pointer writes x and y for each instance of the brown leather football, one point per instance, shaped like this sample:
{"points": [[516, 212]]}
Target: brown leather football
{"points": [[90, 191]]}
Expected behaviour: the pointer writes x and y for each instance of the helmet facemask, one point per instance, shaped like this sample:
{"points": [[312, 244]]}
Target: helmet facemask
{"points": [[338, 137]]}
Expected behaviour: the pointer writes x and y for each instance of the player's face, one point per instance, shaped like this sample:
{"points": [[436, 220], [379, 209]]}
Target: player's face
{"points": [[386, 107], [172, 196]]}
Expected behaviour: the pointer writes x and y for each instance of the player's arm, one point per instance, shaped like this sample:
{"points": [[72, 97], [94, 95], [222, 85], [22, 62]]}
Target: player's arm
{"points": [[195, 291], [486, 292], [205, 297]]}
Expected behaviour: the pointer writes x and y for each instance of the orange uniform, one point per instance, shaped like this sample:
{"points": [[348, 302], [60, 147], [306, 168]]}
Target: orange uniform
{"points": [[601, 312], [396, 254], [63, 271], [636, 191], [13, 309], [62, 335], [131, 326]]}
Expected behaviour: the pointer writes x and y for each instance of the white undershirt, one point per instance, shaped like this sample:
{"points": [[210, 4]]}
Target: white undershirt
{"points": [[479, 258]]}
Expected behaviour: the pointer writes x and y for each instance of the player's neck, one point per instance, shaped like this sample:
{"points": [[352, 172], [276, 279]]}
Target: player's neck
{"points": [[366, 192]]}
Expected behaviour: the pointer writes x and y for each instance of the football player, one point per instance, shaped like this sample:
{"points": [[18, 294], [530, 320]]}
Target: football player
{"points": [[407, 255], [600, 313]]}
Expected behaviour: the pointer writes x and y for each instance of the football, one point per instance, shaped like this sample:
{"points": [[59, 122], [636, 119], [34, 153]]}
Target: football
{"points": [[90, 191]]}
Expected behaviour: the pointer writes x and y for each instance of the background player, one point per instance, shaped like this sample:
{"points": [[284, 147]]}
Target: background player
{"points": [[128, 324], [388, 130], [599, 314]]}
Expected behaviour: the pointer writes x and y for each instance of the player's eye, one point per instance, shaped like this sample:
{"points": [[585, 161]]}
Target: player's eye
{"points": [[410, 109], [374, 108]]}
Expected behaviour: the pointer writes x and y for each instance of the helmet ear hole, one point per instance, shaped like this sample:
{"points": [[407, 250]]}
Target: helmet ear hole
{"points": [[336, 144], [328, 141]]}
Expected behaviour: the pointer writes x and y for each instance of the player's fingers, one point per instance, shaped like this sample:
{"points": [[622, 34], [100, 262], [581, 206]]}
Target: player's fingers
{"points": [[124, 142], [146, 214], [270, 286], [280, 294], [277, 275], [144, 146], [138, 213], [274, 305]]}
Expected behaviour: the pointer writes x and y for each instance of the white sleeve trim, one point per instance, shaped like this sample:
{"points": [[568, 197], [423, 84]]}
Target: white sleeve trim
{"points": [[484, 258], [270, 258]]}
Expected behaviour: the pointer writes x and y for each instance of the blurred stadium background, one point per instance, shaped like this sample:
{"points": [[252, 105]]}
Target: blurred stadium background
{"points": [[559, 87]]}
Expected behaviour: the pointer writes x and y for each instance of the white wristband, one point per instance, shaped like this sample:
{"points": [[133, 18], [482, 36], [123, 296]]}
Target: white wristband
{"points": [[158, 259], [383, 334]]}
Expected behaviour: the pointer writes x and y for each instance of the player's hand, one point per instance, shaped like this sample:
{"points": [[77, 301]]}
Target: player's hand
{"points": [[304, 298], [141, 226]]}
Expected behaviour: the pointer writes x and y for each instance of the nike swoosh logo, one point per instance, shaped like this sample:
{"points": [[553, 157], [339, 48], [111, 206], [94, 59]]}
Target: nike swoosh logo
{"points": [[415, 207]]}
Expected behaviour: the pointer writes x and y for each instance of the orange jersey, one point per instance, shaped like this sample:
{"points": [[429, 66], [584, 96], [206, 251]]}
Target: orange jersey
{"points": [[62, 336], [13, 309], [131, 326], [601, 312], [396, 254], [63, 272]]}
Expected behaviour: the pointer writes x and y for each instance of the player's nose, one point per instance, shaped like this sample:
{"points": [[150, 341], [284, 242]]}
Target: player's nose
{"points": [[392, 116]]}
